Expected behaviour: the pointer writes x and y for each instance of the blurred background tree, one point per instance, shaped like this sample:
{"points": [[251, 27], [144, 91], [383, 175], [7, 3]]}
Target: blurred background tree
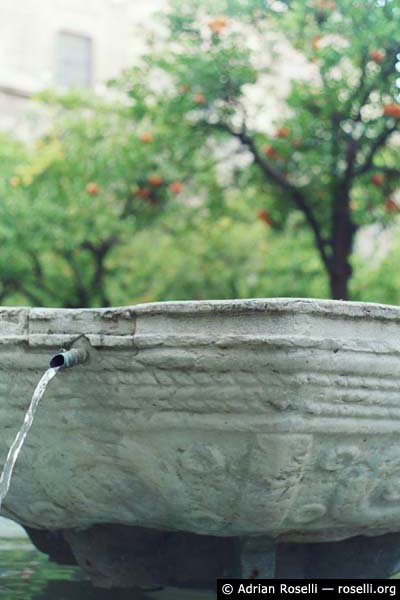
{"points": [[332, 157], [179, 187]]}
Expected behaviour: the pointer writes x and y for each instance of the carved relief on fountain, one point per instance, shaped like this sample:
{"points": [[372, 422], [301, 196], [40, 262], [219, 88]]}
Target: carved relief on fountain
{"points": [[349, 486], [368, 489]]}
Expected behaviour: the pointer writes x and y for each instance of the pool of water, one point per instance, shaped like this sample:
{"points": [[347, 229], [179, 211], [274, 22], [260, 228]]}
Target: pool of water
{"points": [[27, 574]]}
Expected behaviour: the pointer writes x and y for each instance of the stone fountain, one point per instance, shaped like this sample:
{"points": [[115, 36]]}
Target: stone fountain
{"points": [[200, 438]]}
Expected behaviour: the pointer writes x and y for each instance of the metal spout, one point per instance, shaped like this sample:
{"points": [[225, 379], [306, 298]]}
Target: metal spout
{"points": [[68, 358]]}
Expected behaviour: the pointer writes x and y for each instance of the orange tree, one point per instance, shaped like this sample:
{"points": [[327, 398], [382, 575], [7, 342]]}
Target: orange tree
{"points": [[120, 202], [333, 156], [72, 202], [183, 163]]}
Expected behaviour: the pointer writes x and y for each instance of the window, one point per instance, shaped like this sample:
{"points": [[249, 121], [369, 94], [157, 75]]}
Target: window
{"points": [[74, 60]]}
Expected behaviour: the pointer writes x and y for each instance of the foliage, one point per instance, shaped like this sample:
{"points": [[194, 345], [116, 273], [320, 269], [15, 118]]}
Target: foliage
{"points": [[177, 186], [222, 258], [332, 157], [76, 247], [92, 182], [376, 275]]}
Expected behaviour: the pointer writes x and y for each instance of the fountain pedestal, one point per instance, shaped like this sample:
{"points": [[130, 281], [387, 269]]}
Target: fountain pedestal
{"points": [[257, 558], [120, 556], [234, 420]]}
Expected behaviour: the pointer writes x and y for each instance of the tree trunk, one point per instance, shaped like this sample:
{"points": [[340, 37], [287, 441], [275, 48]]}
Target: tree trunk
{"points": [[339, 285], [343, 230]]}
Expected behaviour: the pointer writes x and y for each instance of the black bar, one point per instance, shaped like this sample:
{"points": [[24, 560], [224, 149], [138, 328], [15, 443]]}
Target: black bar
{"points": [[233, 589]]}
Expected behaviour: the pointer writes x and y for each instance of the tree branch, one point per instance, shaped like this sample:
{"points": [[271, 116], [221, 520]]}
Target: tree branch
{"points": [[81, 291], [11, 284], [388, 170], [8, 285], [38, 272], [99, 253], [280, 180], [366, 90], [351, 156], [377, 144]]}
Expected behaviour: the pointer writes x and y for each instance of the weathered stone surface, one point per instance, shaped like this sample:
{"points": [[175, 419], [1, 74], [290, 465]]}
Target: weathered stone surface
{"points": [[236, 418]]}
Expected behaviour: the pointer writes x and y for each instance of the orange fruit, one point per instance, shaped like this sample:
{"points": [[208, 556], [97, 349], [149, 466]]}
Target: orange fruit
{"points": [[155, 180], [377, 55], [146, 137], [283, 132], [270, 152], [92, 188], [176, 187], [263, 215], [392, 110], [391, 206], [218, 25], [199, 98], [143, 193], [378, 179]]}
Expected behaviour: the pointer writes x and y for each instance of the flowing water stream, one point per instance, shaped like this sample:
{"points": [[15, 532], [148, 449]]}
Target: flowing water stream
{"points": [[16, 446]]}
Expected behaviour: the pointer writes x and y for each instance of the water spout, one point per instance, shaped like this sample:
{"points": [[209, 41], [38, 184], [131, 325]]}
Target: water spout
{"points": [[68, 358], [63, 360]]}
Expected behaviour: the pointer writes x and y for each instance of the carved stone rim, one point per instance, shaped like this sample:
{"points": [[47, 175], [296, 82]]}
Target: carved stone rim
{"points": [[125, 326], [290, 305], [333, 308]]}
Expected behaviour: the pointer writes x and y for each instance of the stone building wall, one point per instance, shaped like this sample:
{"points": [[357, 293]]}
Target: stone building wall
{"points": [[31, 49]]}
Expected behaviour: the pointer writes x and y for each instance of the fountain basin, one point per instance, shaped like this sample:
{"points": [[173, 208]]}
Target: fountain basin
{"points": [[278, 418]]}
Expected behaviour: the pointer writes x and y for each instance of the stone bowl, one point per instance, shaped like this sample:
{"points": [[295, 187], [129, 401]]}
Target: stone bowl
{"points": [[227, 418]]}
